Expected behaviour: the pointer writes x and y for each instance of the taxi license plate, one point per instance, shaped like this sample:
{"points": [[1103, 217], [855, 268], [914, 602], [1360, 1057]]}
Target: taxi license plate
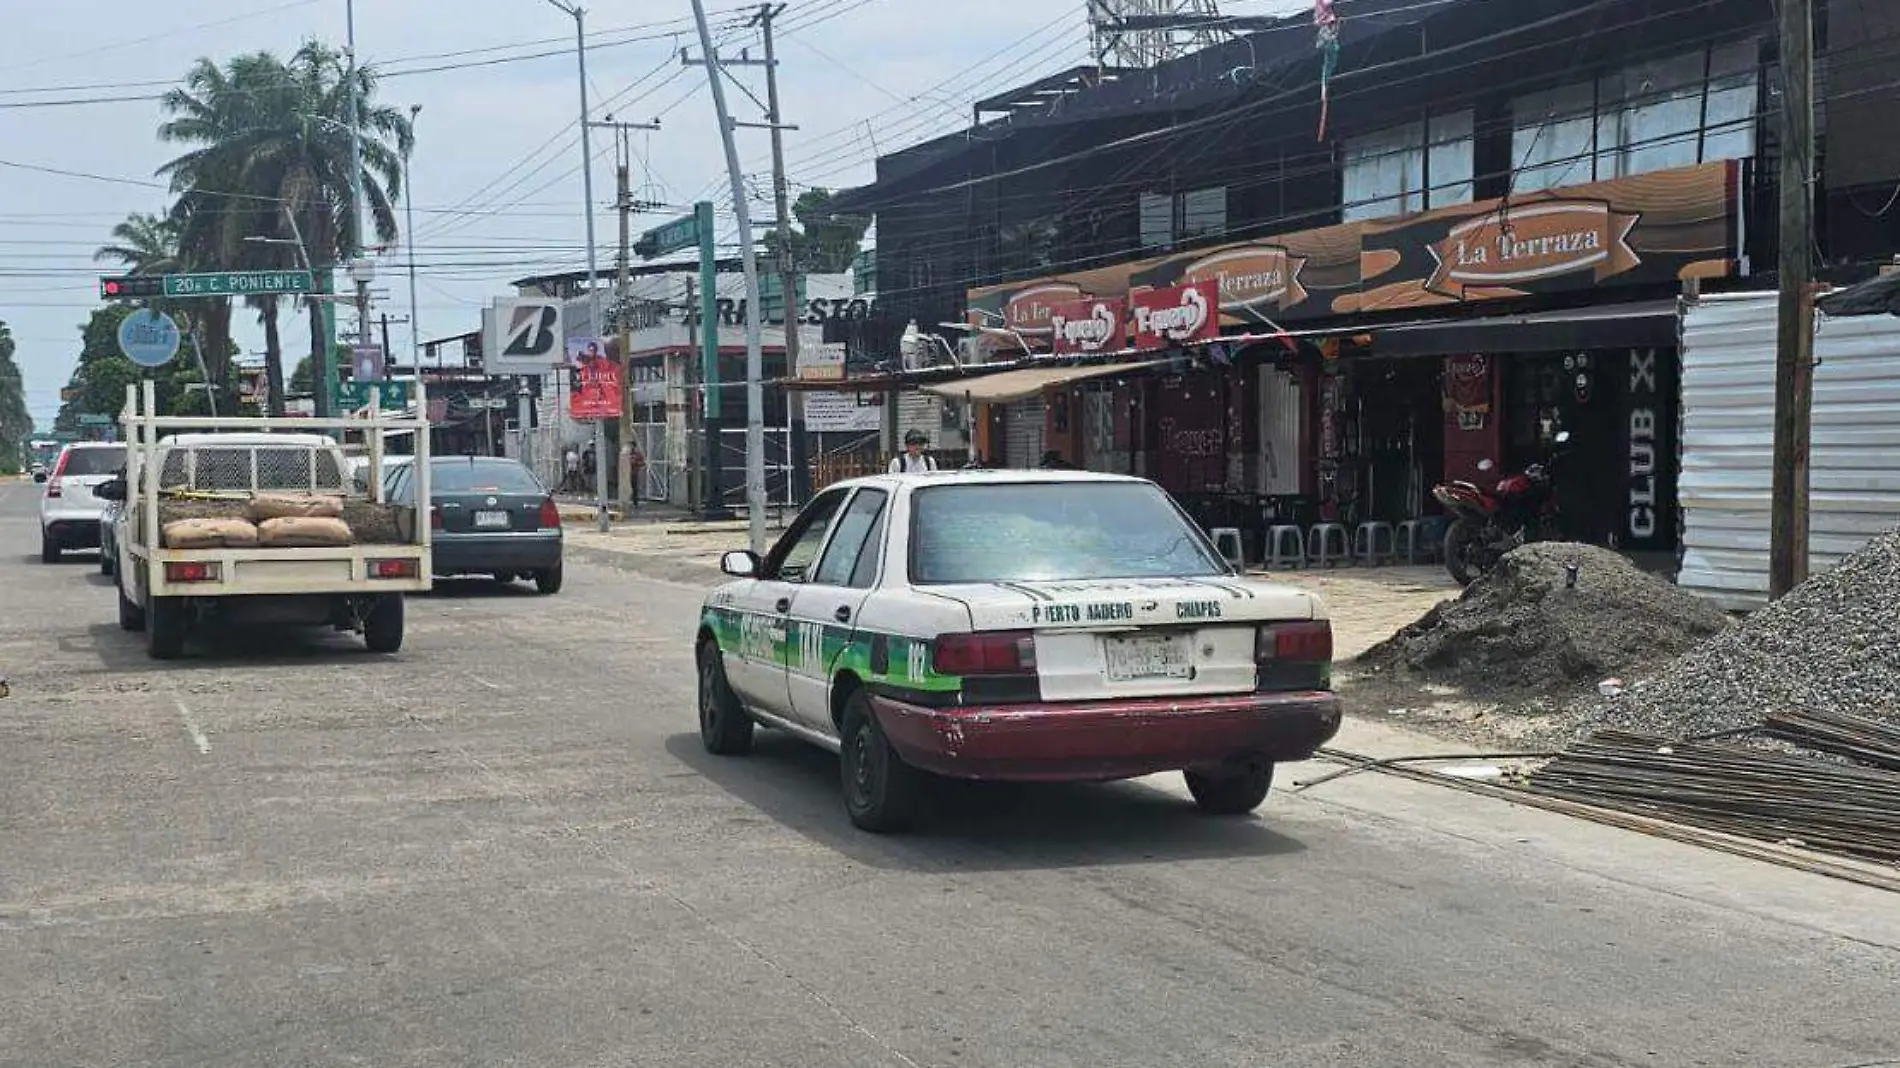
{"points": [[1153, 656], [491, 520]]}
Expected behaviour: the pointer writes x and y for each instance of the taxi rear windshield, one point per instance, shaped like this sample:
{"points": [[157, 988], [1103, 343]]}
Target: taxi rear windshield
{"points": [[1049, 532]]}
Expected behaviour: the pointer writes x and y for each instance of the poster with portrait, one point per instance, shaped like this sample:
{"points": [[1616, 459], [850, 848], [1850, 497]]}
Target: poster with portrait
{"points": [[594, 384]]}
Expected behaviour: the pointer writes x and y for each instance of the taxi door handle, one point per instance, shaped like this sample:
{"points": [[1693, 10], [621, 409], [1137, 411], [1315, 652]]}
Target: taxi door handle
{"points": [[843, 614], [784, 604]]}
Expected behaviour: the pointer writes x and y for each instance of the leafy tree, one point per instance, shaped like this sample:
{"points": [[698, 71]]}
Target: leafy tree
{"points": [[269, 144], [16, 424], [304, 378], [99, 378], [823, 243]]}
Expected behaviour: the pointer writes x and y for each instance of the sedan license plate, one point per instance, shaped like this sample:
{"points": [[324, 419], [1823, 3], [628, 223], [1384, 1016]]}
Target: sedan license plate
{"points": [[491, 520], [1154, 656]]}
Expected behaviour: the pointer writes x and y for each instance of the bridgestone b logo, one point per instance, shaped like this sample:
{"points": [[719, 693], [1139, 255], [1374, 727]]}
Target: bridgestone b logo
{"points": [[531, 332]]}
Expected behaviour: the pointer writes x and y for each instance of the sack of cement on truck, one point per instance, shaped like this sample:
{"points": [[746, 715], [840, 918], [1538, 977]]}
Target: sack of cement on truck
{"points": [[304, 532], [377, 524], [267, 506], [210, 534]]}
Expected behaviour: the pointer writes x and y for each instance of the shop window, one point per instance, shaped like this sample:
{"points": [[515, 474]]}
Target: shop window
{"points": [[1167, 219], [1646, 117], [1409, 168]]}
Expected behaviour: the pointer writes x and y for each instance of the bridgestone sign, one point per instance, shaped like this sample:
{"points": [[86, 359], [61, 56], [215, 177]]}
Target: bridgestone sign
{"points": [[522, 337]]}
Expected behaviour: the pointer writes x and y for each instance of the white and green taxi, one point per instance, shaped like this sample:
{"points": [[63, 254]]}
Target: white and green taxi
{"points": [[1027, 625]]}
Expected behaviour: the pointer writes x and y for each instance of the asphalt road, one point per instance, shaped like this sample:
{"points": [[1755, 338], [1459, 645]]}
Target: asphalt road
{"points": [[505, 846]]}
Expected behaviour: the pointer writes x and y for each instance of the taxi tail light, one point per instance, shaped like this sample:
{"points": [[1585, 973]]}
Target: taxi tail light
{"points": [[1004, 652], [1294, 641], [191, 571], [550, 514], [393, 569]]}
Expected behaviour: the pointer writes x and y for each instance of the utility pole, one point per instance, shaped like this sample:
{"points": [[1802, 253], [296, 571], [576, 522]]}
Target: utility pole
{"points": [[754, 358], [358, 270], [409, 226], [623, 199], [795, 475], [623, 202], [1794, 350], [579, 15]]}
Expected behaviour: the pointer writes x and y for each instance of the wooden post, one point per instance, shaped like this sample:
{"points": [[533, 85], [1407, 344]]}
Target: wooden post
{"points": [[1794, 351]]}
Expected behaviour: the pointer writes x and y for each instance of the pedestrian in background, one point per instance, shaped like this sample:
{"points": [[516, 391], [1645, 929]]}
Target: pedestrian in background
{"points": [[912, 459]]}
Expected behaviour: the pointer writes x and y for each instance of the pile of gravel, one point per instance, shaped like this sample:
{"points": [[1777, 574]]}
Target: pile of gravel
{"points": [[1830, 645], [1522, 634]]}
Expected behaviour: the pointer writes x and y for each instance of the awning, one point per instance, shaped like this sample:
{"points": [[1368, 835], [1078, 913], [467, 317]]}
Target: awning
{"points": [[1015, 385], [1613, 326]]}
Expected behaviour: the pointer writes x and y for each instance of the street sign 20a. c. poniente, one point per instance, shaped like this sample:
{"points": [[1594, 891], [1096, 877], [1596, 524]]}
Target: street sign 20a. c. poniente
{"points": [[681, 233], [238, 283]]}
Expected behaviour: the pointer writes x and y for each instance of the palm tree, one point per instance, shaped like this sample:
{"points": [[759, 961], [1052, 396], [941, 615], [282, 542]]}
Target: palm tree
{"points": [[272, 144]]}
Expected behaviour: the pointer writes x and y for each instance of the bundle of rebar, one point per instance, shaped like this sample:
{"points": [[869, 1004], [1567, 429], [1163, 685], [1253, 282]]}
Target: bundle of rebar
{"points": [[1824, 805]]}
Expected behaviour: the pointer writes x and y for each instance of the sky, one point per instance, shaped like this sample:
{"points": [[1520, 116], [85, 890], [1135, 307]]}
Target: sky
{"points": [[496, 174]]}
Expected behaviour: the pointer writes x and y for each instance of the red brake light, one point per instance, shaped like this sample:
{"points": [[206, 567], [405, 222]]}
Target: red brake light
{"points": [[1008, 652], [435, 517], [53, 488], [393, 569], [191, 571], [550, 514], [1294, 641]]}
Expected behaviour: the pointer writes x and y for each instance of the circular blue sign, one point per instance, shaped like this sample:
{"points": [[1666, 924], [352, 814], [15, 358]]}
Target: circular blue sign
{"points": [[148, 338]]}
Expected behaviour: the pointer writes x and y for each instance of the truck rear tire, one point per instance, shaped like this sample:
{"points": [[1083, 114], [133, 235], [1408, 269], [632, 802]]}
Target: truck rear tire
{"points": [[382, 628], [165, 627], [131, 616]]}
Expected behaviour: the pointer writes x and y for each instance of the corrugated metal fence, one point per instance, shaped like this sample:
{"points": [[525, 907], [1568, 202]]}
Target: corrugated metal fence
{"points": [[1728, 401]]}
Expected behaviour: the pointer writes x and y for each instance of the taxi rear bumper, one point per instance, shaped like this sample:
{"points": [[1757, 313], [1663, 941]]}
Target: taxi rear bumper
{"points": [[1106, 740]]}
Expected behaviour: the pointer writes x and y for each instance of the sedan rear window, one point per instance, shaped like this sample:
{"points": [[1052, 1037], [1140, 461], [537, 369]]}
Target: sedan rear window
{"points": [[1040, 532], [94, 461], [482, 476]]}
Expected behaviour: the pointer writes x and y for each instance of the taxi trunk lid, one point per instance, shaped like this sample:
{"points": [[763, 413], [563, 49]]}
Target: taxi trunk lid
{"points": [[1108, 639]]}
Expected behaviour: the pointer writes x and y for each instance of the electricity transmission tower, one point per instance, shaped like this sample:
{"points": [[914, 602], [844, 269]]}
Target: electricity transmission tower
{"points": [[1142, 33]]}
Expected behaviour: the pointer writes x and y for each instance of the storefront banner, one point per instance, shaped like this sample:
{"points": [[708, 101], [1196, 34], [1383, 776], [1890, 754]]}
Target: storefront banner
{"points": [[1665, 227], [1669, 226], [830, 412], [593, 380], [1175, 315], [1088, 327], [1029, 311]]}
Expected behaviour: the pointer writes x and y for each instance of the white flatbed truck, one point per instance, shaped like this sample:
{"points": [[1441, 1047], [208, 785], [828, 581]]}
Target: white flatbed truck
{"points": [[170, 592]]}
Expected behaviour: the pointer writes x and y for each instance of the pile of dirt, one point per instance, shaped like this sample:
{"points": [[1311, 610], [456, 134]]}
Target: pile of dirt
{"points": [[1831, 645], [1529, 632]]}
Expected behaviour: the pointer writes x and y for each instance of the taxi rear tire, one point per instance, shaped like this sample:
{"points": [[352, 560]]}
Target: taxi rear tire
{"points": [[724, 727], [1232, 794], [881, 792]]}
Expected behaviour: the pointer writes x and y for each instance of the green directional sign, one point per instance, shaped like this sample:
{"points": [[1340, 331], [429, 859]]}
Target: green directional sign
{"points": [[682, 232], [353, 394], [238, 283], [94, 419]]}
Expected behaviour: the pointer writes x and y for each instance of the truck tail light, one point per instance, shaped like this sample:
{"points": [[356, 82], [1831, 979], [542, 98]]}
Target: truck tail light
{"points": [[1004, 652], [393, 569], [191, 571], [550, 515], [1294, 641]]}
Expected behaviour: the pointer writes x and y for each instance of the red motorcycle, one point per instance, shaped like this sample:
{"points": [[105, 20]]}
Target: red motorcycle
{"points": [[1486, 524]]}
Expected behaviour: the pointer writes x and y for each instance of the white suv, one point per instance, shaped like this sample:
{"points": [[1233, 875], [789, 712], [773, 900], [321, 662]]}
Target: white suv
{"points": [[69, 513]]}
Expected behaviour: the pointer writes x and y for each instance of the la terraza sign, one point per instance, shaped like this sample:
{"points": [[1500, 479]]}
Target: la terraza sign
{"points": [[1175, 315], [1534, 243]]}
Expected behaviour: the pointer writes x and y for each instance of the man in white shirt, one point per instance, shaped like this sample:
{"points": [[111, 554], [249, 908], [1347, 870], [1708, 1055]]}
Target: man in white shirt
{"points": [[912, 459]]}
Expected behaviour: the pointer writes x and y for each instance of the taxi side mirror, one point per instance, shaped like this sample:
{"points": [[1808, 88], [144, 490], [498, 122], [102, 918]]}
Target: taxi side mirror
{"points": [[740, 564]]}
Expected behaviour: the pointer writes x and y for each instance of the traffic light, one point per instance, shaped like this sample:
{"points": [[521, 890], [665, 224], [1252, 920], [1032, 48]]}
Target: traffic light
{"points": [[131, 287]]}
